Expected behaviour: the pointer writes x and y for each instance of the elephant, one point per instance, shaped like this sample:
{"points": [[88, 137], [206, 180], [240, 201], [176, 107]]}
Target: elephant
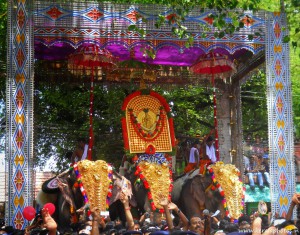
{"points": [[191, 197], [218, 188], [193, 194], [139, 193], [61, 192]]}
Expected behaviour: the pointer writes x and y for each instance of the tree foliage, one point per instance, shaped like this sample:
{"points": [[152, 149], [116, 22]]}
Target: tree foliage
{"points": [[61, 110], [254, 106], [61, 116]]}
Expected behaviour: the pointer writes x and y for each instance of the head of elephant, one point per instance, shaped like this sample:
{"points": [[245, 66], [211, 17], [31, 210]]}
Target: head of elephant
{"points": [[151, 182], [70, 198], [196, 195], [228, 177]]}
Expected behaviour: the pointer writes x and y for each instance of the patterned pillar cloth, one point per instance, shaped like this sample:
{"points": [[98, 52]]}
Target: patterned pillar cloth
{"points": [[279, 114], [19, 108]]}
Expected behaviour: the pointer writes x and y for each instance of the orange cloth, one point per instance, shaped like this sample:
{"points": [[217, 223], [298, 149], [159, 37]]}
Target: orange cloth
{"points": [[203, 163], [190, 167]]}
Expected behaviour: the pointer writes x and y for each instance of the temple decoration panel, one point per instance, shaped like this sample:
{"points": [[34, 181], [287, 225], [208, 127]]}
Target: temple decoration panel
{"points": [[106, 20], [19, 108], [280, 121], [74, 23]]}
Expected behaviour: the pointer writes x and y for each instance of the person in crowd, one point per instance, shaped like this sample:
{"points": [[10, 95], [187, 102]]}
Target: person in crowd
{"points": [[247, 145], [264, 162], [244, 223], [209, 151], [136, 226], [81, 151], [251, 170], [196, 225], [48, 222], [129, 219], [169, 222], [193, 158], [257, 146], [125, 165], [246, 161], [294, 202], [42, 224], [183, 219], [266, 152]]}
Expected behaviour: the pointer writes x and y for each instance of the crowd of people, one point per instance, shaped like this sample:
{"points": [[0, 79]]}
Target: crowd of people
{"points": [[256, 162], [172, 221]]}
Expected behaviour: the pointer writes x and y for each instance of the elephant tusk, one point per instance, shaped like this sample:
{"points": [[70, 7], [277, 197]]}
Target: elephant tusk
{"points": [[82, 209], [63, 173], [117, 174], [61, 183]]}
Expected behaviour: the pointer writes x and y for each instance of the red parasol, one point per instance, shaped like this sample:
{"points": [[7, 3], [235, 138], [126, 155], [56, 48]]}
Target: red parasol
{"points": [[209, 65], [86, 60]]}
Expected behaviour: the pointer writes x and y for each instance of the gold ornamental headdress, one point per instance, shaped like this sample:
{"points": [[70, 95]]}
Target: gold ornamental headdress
{"points": [[226, 178], [95, 182], [156, 176]]}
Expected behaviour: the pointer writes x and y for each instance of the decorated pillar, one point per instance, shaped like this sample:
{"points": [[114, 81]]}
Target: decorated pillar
{"points": [[282, 173], [19, 108], [223, 117]]}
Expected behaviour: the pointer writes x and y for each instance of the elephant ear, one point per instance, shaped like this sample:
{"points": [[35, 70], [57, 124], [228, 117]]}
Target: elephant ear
{"points": [[50, 186]]}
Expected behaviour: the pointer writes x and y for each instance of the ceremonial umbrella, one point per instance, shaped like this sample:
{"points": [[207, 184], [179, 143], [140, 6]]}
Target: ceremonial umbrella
{"points": [[207, 66], [89, 60]]}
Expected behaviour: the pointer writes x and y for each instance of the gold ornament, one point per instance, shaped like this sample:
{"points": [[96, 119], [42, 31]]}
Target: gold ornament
{"points": [[227, 175], [94, 176], [158, 177]]}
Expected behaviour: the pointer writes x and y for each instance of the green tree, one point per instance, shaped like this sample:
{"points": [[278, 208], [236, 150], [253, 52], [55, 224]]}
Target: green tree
{"points": [[254, 106], [61, 110]]}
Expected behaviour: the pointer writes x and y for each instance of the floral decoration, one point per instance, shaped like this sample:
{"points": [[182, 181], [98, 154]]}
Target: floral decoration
{"points": [[150, 149]]}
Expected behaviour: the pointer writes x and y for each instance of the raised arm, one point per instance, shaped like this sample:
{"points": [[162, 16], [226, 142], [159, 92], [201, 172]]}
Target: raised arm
{"points": [[172, 206], [48, 222], [129, 219], [164, 203], [295, 202]]}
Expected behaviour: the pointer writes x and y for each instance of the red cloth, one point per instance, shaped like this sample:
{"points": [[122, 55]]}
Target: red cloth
{"points": [[203, 163], [190, 167]]}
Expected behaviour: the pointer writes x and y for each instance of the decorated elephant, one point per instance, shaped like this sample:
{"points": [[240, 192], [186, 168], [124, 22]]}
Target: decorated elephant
{"points": [[86, 185], [151, 180], [218, 189], [194, 194]]}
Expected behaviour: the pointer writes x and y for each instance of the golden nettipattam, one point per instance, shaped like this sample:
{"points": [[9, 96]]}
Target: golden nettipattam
{"points": [[227, 175], [158, 177], [96, 181]]}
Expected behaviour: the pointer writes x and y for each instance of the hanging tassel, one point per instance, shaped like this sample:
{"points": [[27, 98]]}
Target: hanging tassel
{"points": [[91, 134]]}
